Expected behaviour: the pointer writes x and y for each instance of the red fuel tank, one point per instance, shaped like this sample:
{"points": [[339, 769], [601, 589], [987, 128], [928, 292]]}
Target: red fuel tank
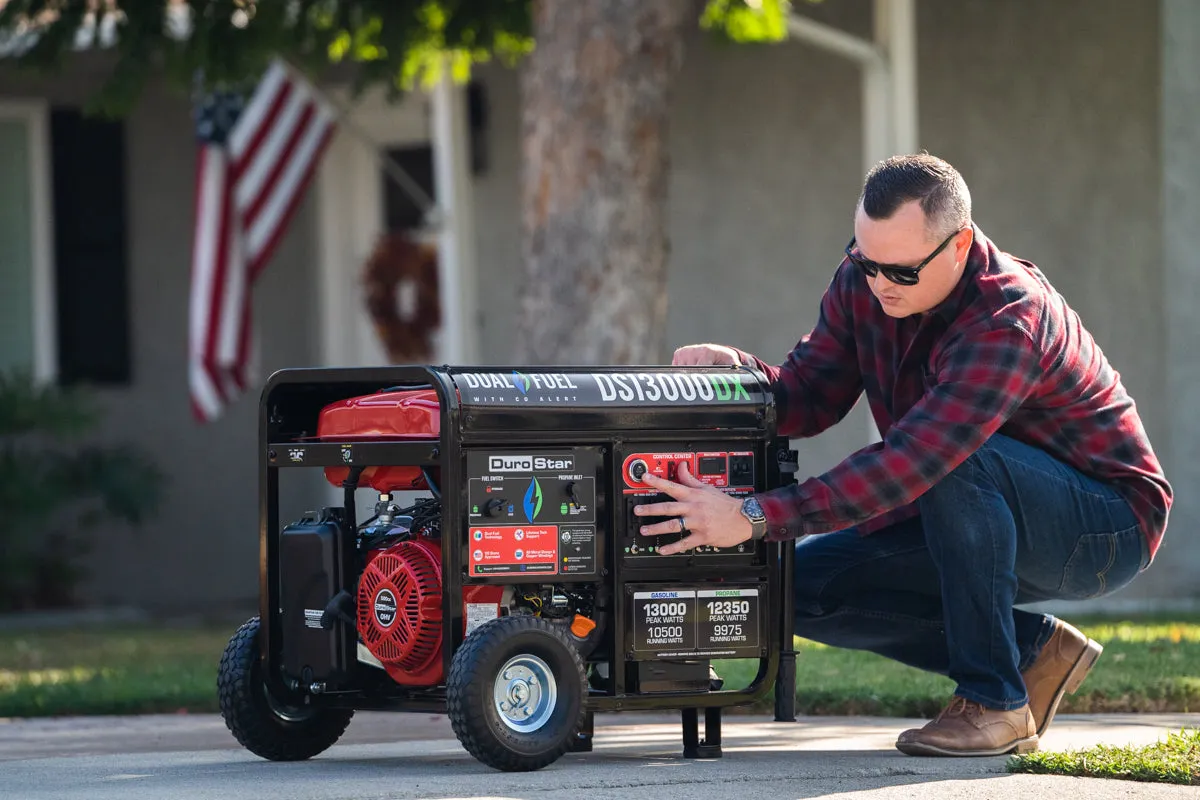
{"points": [[384, 416]]}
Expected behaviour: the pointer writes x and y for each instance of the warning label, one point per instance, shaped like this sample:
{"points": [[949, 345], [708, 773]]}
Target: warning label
{"points": [[577, 549], [510, 548]]}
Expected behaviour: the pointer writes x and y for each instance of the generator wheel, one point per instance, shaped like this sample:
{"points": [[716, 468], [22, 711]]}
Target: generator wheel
{"points": [[515, 693], [268, 726]]}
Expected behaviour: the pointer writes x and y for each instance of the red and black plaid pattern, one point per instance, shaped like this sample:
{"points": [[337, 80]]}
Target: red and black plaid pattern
{"points": [[1003, 353]]}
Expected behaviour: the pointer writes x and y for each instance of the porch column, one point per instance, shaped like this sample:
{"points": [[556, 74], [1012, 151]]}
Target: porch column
{"points": [[456, 239], [889, 84], [1180, 125]]}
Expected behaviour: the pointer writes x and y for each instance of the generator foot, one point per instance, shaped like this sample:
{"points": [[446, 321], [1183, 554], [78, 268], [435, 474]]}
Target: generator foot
{"points": [[710, 746], [583, 739]]}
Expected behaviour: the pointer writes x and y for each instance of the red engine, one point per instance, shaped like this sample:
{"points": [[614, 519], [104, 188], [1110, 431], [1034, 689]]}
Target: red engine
{"points": [[400, 610]]}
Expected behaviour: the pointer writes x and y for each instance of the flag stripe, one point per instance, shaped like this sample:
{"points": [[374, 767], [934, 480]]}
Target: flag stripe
{"points": [[207, 399], [258, 164], [272, 216], [209, 188], [259, 129], [219, 222], [252, 212], [256, 266], [234, 291], [251, 121]]}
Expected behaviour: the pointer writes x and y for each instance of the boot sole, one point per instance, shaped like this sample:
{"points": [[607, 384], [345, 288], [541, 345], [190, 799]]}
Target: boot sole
{"points": [[1075, 677], [921, 749]]}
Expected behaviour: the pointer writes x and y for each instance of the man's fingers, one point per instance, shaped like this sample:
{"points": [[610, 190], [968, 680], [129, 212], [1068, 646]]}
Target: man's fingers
{"points": [[664, 509], [678, 491], [660, 528], [682, 546], [688, 479]]}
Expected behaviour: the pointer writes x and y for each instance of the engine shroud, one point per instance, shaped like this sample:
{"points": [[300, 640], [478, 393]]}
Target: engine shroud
{"points": [[400, 610]]}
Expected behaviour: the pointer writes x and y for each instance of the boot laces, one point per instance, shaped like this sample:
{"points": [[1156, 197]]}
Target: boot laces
{"points": [[961, 707]]}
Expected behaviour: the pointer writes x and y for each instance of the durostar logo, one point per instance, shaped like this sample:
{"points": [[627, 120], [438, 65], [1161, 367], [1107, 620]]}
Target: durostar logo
{"points": [[533, 500], [524, 463]]}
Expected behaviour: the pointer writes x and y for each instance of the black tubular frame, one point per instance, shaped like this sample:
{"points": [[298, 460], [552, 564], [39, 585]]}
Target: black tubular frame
{"points": [[289, 408]]}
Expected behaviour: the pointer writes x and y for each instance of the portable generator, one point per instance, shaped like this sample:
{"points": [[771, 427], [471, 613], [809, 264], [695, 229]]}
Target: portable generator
{"points": [[501, 578]]}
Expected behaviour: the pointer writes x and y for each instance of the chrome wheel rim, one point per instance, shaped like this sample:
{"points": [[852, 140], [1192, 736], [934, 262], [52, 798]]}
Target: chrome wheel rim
{"points": [[525, 693]]}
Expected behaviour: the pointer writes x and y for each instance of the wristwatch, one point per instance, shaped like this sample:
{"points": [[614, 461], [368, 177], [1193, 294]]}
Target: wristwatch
{"points": [[752, 511]]}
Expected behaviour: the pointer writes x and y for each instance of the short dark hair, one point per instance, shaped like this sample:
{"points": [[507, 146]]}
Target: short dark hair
{"points": [[942, 192]]}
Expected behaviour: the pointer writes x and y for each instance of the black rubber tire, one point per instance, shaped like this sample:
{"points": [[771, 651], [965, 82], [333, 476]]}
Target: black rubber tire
{"points": [[469, 693], [253, 721]]}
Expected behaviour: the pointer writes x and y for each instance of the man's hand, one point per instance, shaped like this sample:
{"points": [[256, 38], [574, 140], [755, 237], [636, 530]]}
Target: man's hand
{"points": [[704, 355], [709, 516]]}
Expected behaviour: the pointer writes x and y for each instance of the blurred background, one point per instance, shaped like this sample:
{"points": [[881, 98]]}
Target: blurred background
{"points": [[597, 182]]}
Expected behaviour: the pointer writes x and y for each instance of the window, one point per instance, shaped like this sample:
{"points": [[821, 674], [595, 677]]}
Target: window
{"points": [[91, 249], [401, 212]]}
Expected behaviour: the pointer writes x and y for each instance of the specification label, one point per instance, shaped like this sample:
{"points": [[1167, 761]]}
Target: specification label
{"points": [[728, 617], [671, 623]]}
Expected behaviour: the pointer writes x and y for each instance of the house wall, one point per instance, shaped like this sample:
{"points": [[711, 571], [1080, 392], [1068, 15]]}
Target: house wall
{"points": [[201, 552]]}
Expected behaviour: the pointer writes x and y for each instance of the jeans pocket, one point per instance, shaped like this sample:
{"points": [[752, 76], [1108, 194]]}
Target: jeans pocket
{"points": [[1102, 563]]}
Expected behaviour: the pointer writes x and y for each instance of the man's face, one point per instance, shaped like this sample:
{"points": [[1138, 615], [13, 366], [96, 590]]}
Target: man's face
{"points": [[904, 241]]}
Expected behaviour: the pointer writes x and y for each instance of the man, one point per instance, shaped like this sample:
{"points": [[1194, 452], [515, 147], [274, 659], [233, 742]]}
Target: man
{"points": [[1013, 466]]}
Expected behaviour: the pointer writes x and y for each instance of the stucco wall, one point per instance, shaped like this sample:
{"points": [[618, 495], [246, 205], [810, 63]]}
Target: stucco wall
{"points": [[201, 553]]}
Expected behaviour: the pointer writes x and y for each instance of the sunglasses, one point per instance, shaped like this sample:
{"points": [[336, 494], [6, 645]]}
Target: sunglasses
{"points": [[904, 276]]}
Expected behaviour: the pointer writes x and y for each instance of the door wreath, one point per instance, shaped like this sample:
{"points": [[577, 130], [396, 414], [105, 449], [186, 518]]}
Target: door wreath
{"points": [[406, 334]]}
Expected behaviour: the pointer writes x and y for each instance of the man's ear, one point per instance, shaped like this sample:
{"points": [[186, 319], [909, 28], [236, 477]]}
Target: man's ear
{"points": [[963, 242]]}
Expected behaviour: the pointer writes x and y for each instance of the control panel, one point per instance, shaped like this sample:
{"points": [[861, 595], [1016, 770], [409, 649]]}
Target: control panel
{"points": [[733, 470], [533, 513]]}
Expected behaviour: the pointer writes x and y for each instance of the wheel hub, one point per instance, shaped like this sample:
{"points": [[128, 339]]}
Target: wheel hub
{"points": [[525, 693]]}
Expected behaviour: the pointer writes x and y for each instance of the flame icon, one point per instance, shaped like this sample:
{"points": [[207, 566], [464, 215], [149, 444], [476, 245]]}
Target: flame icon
{"points": [[521, 381], [533, 499]]}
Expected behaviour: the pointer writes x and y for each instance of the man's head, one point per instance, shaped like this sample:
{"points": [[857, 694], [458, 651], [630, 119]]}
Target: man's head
{"points": [[912, 207]]}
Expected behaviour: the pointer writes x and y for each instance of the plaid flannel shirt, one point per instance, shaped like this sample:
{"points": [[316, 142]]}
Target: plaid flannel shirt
{"points": [[1003, 353]]}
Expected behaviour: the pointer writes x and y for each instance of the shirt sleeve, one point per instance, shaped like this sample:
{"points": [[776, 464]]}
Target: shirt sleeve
{"points": [[979, 383], [820, 381]]}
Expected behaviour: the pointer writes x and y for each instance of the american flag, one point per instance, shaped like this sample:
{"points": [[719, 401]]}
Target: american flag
{"points": [[256, 158]]}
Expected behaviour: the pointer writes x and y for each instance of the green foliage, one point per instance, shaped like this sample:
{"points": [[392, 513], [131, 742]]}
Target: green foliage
{"points": [[399, 43], [1176, 760], [53, 488], [747, 21]]}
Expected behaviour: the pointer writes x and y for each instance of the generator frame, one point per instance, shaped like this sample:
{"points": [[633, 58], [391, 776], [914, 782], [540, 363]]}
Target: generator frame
{"points": [[288, 410]]}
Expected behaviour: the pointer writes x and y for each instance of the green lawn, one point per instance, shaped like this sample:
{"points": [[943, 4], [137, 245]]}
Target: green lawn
{"points": [[113, 671], [1173, 760], [1146, 667]]}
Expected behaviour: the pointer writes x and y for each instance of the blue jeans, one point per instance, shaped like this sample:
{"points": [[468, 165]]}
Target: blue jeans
{"points": [[1010, 525]]}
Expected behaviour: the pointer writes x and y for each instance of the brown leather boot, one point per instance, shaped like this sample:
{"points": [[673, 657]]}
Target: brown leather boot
{"points": [[966, 728], [1062, 665]]}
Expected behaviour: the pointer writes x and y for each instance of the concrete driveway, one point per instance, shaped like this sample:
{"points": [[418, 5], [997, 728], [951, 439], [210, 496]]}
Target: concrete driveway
{"points": [[636, 756]]}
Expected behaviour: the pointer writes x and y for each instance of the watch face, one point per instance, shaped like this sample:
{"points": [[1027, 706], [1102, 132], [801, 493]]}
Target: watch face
{"points": [[753, 510]]}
